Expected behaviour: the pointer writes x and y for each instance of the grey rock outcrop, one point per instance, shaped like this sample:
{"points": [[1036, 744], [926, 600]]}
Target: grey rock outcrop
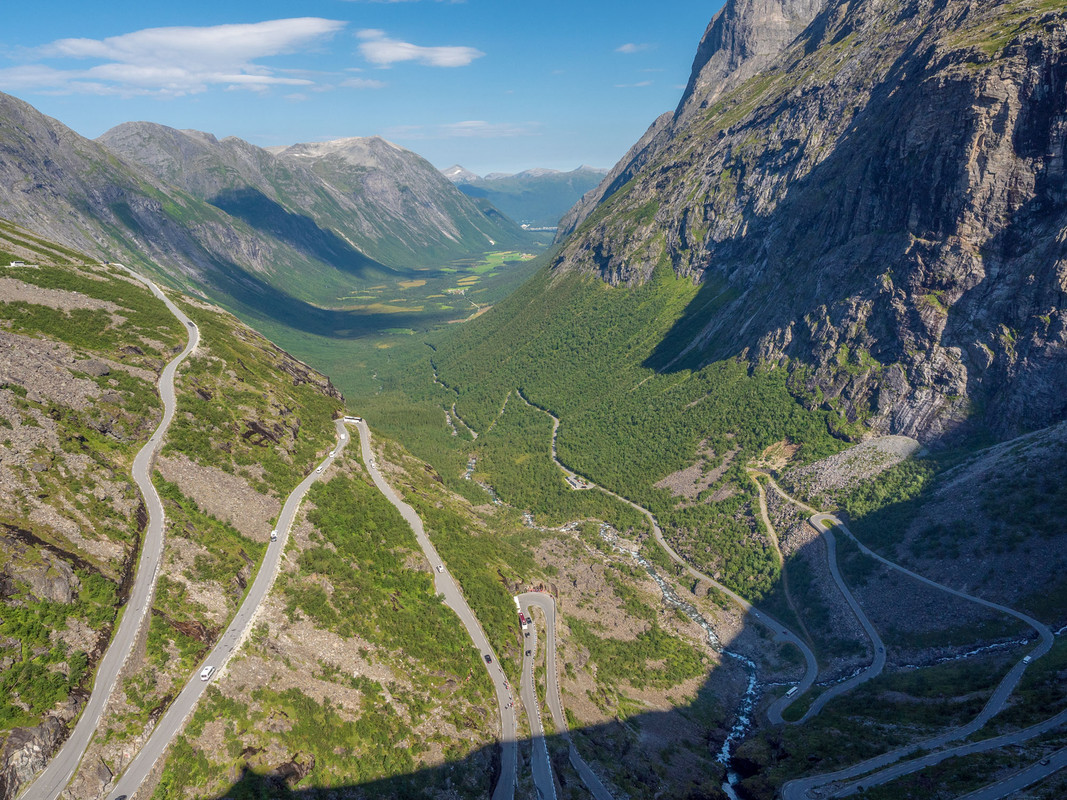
{"points": [[880, 207], [28, 750], [743, 38]]}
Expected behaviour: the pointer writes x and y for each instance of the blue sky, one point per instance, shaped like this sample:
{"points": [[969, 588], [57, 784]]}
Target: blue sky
{"points": [[494, 85]]}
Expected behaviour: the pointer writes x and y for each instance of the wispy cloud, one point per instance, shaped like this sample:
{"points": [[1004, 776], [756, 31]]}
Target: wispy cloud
{"points": [[171, 61], [379, 49], [363, 83], [468, 129], [634, 47], [637, 85]]}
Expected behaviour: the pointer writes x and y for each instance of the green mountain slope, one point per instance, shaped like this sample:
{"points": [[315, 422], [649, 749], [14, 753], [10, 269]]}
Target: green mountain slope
{"points": [[737, 291], [83, 345], [266, 235], [405, 211]]}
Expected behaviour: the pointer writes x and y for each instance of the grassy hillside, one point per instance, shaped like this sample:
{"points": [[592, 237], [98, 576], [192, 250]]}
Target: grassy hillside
{"points": [[82, 346], [586, 352]]}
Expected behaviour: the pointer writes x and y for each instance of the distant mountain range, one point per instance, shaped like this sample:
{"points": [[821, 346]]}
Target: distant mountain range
{"points": [[241, 223], [535, 197]]}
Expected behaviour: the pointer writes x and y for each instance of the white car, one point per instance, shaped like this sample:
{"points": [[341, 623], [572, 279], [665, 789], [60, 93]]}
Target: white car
{"points": [[318, 469], [274, 535], [206, 673], [333, 453], [440, 567]]}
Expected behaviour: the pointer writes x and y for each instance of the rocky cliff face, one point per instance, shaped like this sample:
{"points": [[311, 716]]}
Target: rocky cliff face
{"points": [[72, 190], [743, 38], [880, 208]]}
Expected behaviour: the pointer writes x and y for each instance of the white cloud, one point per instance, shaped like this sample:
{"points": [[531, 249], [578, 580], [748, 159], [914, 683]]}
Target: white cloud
{"points": [[637, 85], [173, 61], [479, 129], [379, 49], [632, 47], [468, 129]]}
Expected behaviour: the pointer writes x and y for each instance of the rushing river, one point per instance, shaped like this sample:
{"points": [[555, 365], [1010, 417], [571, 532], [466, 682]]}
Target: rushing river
{"points": [[752, 692]]}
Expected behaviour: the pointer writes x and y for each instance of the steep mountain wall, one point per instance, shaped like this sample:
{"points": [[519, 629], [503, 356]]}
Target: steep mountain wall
{"points": [[881, 206], [743, 38]]}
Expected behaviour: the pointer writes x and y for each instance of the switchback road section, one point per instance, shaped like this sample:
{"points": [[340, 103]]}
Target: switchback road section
{"points": [[454, 599], [553, 698], [180, 710], [54, 778], [884, 768], [781, 634]]}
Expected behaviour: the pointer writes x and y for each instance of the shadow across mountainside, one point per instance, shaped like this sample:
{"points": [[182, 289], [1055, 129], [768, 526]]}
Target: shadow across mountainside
{"points": [[694, 771], [250, 296], [939, 674], [302, 232], [860, 229]]}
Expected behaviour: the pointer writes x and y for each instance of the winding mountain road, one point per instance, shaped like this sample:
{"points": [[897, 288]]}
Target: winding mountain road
{"points": [[454, 599], [54, 778], [877, 662], [541, 764], [1020, 780], [781, 634], [553, 698], [229, 642], [884, 768]]}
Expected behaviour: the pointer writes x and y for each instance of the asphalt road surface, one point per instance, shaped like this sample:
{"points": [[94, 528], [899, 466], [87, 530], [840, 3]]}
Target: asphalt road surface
{"points": [[180, 710], [878, 662], [849, 778], [1039, 771], [454, 599], [781, 634], [54, 778], [552, 694], [541, 765], [877, 645], [1020, 780]]}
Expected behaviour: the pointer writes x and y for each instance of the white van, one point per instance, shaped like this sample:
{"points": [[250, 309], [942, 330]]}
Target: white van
{"points": [[206, 673], [792, 691]]}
